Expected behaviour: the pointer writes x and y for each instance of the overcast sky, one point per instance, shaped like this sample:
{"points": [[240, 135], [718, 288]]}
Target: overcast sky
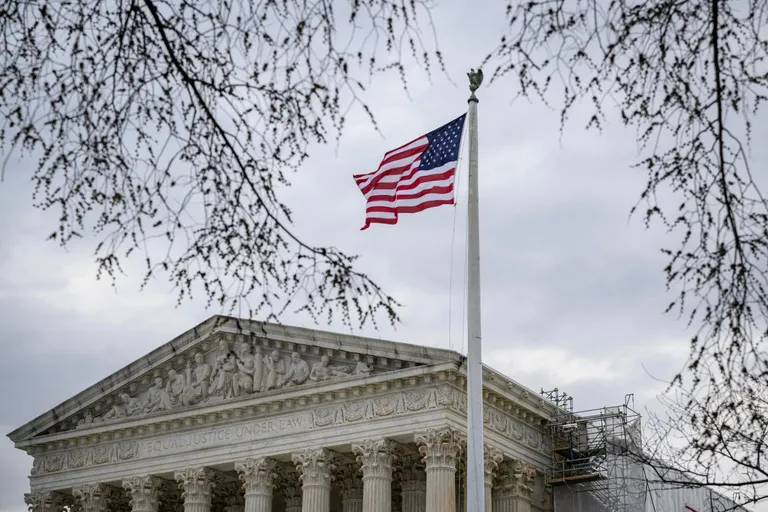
{"points": [[572, 288]]}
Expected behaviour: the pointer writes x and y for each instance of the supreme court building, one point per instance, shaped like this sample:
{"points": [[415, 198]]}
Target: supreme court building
{"points": [[237, 415]]}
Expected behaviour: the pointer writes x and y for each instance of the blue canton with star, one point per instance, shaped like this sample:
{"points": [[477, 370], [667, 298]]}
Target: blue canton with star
{"points": [[443, 145]]}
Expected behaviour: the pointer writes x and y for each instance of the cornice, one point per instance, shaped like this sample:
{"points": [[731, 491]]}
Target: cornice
{"points": [[270, 404]]}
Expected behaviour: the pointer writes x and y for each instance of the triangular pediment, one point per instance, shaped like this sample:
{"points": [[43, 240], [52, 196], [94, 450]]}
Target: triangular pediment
{"points": [[225, 359]]}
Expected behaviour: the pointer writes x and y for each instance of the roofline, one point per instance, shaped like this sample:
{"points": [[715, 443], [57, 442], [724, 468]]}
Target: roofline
{"points": [[216, 323]]}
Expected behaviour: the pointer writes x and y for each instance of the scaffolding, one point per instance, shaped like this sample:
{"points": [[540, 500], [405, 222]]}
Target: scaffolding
{"points": [[590, 469]]}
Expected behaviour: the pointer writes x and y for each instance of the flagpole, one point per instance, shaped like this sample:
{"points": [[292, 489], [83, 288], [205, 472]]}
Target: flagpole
{"points": [[475, 461]]}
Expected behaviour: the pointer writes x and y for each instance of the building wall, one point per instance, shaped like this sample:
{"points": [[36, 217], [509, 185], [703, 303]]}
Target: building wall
{"points": [[656, 497]]}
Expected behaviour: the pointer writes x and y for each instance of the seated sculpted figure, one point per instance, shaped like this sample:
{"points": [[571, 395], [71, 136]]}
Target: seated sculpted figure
{"points": [[156, 399], [198, 377], [323, 371], [363, 368], [298, 373], [128, 407], [275, 371], [178, 392]]}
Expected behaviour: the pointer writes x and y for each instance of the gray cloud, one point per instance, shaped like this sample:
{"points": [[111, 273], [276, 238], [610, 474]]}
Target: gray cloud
{"points": [[572, 291]]}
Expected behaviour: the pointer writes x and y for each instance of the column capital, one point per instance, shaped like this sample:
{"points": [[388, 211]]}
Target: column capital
{"points": [[412, 468], [440, 448], [315, 466], [172, 499], [375, 456], [229, 495], [491, 460], [517, 479], [258, 475], [291, 489], [144, 491], [46, 501], [349, 482], [95, 497], [196, 484]]}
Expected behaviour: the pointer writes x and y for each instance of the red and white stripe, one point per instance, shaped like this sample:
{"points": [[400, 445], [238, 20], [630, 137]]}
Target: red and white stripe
{"points": [[398, 186]]}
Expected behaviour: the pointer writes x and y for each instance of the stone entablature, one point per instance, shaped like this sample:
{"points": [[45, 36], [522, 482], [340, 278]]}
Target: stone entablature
{"points": [[410, 392], [418, 473]]}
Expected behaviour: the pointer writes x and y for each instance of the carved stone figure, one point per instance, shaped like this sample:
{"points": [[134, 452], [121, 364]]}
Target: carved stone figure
{"points": [[275, 371], [129, 407], [198, 378], [322, 370], [177, 391], [87, 419], [298, 373], [156, 400], [363, 369], [222, 378], [243, 379], [259, 375]]}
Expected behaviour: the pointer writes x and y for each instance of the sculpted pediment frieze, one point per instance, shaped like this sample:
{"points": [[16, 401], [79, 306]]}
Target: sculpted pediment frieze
{"points": [[224, 368]]}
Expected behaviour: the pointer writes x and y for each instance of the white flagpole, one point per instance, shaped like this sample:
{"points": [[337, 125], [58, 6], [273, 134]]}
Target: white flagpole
{"points": [[475, 462]]}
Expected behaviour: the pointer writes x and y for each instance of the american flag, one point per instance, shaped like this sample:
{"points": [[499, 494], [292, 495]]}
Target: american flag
{"points": [[416, 176]]}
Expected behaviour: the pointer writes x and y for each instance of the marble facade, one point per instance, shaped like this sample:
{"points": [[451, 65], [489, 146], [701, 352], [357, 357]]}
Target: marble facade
{"points": [[244, 416]]}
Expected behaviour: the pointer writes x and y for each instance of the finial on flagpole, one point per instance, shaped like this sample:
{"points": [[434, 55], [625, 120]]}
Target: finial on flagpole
{"points": [[475, 80]]}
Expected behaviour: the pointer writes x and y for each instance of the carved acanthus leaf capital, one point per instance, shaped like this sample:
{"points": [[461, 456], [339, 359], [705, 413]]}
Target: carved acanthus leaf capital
{"points": [[349, 481], [412, 469], [491, 460], [95, 497], [258, 475], [517, 478], [144, 491], [440, 448], [171, 497], [196, 484], [228, 495], [375, 456], [49, 501], [315, 467]]}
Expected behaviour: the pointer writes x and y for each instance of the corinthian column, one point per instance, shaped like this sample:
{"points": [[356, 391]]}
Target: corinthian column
{"points": [[492, 459], [515, 487], [95, 497], [375, 457], [525, 477], [144, 492], [413, 484], [258, 477], [315, 468], [48, 501], [197, 486], [292, 494], [440, 448], [351, 488], [229, 495]]}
